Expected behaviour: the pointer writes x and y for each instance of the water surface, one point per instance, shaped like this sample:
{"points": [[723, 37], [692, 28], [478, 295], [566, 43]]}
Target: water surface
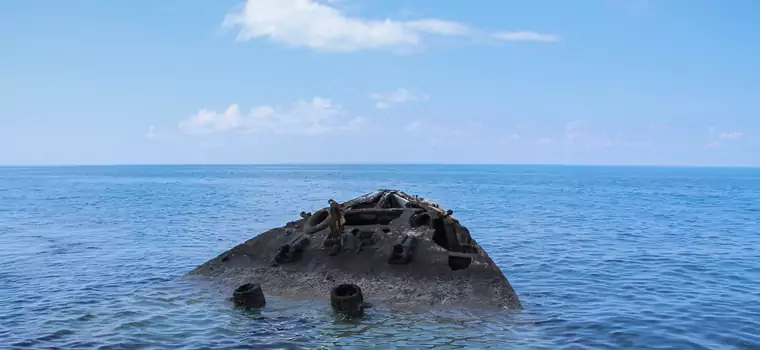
{"points": [[601, 257]]}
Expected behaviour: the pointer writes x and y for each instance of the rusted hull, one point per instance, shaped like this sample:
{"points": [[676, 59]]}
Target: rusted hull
{"points": [[402, 251]]}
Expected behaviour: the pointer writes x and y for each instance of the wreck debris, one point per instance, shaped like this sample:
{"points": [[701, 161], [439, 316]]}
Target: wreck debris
{"points": [[292, 250], [402, 250], [347, 299], [249, 295]]}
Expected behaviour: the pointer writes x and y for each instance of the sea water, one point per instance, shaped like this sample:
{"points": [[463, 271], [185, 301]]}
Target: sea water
{"points": [[601, 257]]}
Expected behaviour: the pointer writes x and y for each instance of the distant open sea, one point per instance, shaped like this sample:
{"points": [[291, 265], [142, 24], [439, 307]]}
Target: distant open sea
{"points": [[601, 257]]}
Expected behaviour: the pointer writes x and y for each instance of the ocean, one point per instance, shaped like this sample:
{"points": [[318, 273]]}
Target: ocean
{"points": [[601, 257]]}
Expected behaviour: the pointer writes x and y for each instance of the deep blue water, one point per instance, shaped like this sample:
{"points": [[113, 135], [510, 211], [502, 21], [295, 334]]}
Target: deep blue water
{"points": [[601, 257]]}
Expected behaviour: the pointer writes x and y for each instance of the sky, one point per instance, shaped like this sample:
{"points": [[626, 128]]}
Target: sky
{"points": [[620, 82]]}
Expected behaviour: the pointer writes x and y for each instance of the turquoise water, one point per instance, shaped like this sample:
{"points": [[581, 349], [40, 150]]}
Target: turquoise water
{"points": [[601, 257]]}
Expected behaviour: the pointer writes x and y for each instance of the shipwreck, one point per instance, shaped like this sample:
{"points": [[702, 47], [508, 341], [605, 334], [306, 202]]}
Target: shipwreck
{"points": [[396, 250]]}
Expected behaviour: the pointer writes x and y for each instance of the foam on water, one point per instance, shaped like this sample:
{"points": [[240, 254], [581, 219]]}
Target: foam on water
{"points": [[601, 257]]}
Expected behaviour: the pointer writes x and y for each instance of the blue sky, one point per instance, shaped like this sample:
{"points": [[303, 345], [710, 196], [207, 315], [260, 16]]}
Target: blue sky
{"points": [[380, 81]]}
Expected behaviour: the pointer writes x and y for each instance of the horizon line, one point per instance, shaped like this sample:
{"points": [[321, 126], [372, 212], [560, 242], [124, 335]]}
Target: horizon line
{"points": [[373, 164]]}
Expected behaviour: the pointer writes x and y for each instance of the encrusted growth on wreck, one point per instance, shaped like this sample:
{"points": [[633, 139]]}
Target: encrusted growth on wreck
{"points": [[401, 250]]}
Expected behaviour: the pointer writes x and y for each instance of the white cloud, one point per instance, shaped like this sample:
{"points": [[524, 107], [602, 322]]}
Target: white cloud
{"points": [[322, 26], [382, 105], [733, 135], [316, 116], [401, 95], [527, 36], [437, 26], [412, 126], [717, 139], [151, 133], [545, 140], [354, 124]]}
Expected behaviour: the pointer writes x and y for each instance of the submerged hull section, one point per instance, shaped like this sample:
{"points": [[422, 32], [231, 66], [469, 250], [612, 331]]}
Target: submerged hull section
{"points": [[402, 251]]}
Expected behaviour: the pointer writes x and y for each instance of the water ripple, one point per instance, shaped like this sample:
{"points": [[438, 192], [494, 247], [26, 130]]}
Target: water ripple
{"points": [[601, 257]]}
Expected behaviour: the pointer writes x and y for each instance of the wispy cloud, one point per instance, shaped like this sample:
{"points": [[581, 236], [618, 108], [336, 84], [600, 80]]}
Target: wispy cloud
{"points": [[151, 134], [716, 139], [324, 27], [719, 139], [544, 140], [401, 95], [732, 135], [527, 36], [412, 126], [440, 27], [315, 116]]}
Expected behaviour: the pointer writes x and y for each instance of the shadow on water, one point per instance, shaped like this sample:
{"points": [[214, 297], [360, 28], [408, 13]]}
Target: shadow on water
{"points": [[286, 323], [313, 323]]}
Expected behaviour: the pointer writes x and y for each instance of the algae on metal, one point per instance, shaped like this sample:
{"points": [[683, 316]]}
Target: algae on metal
{"points": [[401, 250]]}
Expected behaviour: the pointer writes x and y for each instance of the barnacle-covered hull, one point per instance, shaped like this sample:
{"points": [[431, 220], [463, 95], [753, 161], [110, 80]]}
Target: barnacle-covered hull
{"points": [[403, 251]]}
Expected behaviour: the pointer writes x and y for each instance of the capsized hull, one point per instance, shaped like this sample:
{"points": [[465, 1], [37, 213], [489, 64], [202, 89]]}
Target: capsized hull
{"points": [[403, 251]]}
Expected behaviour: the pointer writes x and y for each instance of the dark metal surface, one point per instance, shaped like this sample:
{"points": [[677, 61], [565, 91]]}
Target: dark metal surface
{"points": [[441, 264]]}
